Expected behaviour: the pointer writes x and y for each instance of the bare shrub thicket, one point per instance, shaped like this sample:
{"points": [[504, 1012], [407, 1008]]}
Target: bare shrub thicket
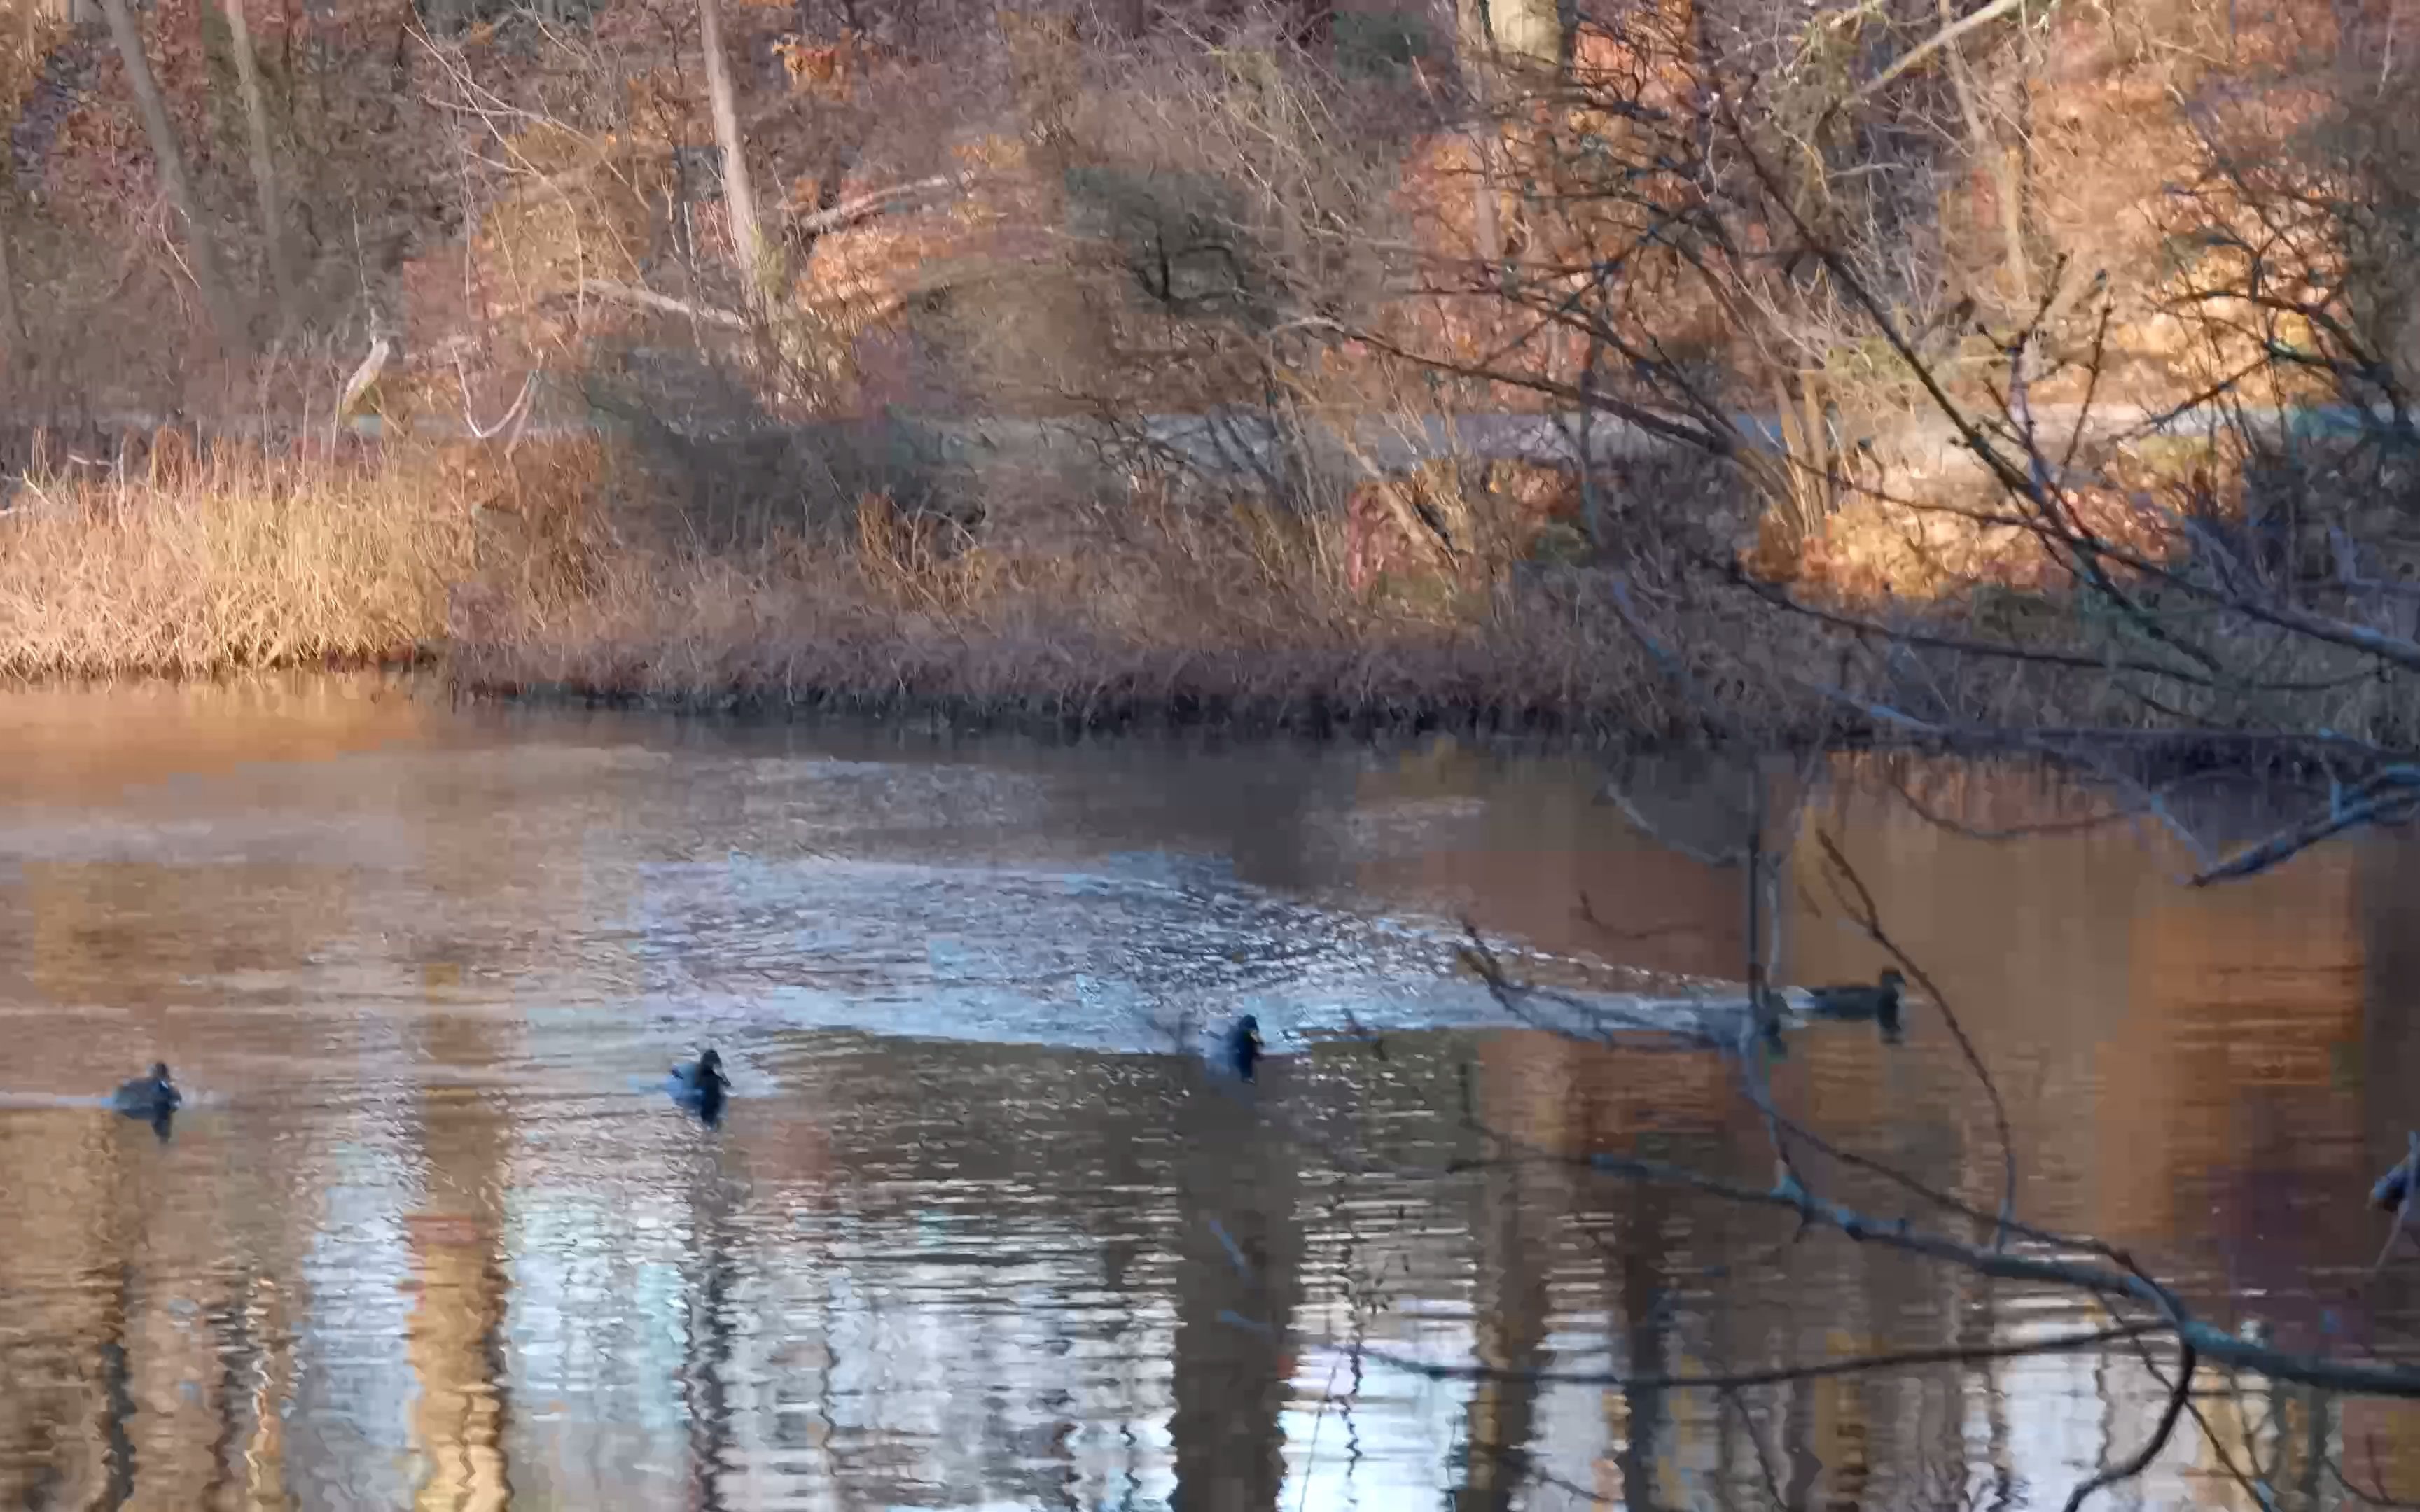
{"points": [[1860, 367], [2129, 478]]}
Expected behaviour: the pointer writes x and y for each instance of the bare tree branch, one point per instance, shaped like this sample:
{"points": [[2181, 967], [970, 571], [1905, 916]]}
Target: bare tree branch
{"points": [[218, 295], [1776, 1375], [1867, 916], [1948, 36], [647, 299], [2399, 802], [2178, 1396]]}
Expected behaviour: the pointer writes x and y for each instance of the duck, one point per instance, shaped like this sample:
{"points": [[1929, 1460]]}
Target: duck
{"points": [[700, 1086], [1239, 1050], [154, 1097], [1858, 1001]]}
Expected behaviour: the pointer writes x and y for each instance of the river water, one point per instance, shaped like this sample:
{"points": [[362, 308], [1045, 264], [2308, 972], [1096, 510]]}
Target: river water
{"points": [[979, 1228]]}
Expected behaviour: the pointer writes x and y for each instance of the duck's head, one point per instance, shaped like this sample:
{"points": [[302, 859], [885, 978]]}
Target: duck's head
{"points": [[160, 1071], [709, 1066], [1248, 1028], [1891, 980]]}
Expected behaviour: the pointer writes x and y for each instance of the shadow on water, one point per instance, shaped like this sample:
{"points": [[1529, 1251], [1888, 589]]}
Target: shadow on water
{"points": [[118, 1396], [162, 1121], [711, 1328], [1238, 1264], [457, 1241], [980, 1227]]}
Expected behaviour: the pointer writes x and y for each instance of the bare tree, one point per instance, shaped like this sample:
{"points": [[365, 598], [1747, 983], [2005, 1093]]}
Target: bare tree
{"points": [[264, 166], [758, 259], [1689, 251], [1505, 47], [12, 322], [218, 297]]}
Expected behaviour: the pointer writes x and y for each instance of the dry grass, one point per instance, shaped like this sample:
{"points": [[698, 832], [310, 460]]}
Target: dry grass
{"points": [[226, 563], [564, 572], [558, 573], [1162, 612]]}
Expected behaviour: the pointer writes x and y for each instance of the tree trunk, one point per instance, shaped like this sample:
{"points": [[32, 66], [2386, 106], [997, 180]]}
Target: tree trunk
{"points": [[1505, 46], [217, 299], [264, 170], [12, 324], [1486, 229], [747, 236], [2006, 167], [1515, 34]]}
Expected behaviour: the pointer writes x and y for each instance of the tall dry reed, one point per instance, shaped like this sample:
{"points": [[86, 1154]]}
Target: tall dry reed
{"points": [[562, 571], [1163, 612], [233, 560]]}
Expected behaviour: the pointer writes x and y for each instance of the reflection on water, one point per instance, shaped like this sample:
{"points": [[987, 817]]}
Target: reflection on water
{"points": [[976, 1233]]}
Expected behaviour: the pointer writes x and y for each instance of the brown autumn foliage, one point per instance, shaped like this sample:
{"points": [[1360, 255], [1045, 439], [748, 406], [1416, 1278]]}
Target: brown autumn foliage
{"points": [[1001, 219]]}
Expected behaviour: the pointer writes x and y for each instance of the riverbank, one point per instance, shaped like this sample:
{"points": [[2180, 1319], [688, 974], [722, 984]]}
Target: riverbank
{"points": [[567, 570], [559, 573]]}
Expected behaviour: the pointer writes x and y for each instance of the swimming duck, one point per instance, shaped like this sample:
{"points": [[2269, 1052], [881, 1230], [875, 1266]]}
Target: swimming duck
{"points": [[1879, 1002], [1239, 1051], [700, 1085], [153, 1097]]}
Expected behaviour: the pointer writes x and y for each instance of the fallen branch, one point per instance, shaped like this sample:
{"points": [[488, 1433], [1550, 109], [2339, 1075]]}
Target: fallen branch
{"points": [[606, 289], [1777, 1375], [876, 202], [1605, 1020], [1513, 997]]}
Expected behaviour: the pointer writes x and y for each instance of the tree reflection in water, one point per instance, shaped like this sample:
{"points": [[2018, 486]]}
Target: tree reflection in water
{"points": [[971, 1234]]}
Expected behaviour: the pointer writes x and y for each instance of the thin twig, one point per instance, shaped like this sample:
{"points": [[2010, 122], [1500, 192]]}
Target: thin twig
{"points": [[876, 202], [1867, 916], [2126, 1281], [2141, 1460], [1776, 1375], [1946, 37], [2376, 1493]]}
